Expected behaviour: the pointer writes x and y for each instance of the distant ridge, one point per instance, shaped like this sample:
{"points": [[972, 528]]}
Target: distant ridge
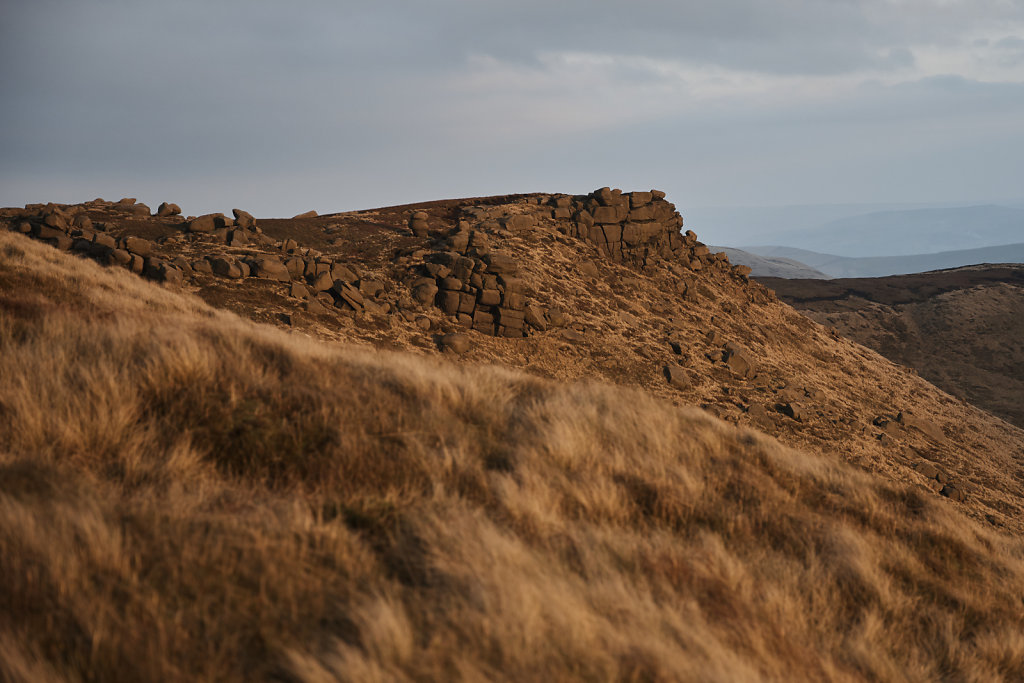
{"points": [[772, 266], [882, 266]]}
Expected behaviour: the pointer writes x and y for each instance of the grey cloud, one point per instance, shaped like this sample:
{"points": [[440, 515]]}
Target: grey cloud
{"points": [[284, 103]]}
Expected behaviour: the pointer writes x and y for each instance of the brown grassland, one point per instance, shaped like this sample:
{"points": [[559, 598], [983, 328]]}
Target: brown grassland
{"points": [[185, 495]]}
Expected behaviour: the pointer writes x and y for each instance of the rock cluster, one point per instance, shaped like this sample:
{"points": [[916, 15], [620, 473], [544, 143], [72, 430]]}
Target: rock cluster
{"points": [[68, 228]]}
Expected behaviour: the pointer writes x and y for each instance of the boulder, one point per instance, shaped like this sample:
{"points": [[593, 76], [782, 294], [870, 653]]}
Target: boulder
{"points": [[519, 222], [455, 342], [225, 267], [243, 219], [425, 293], [270, 268], [588, 268], [323, 282], [238, 238], [139, 246], [167, 209], [739, 360], [203, 224], [638, 199], [297, 290], [909, 419], [677, 376], [501, 264], [340, 272], [534, 317]]}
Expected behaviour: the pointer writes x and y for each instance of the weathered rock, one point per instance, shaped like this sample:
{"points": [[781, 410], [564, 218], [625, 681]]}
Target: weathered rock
{"points": [[341, 272], [519, 222], [137, 245], [489, 297], [225, 267], [238, 238], [298, 290], [270, 268], [203, 224], [455, 342], [349, 294], [202, 266], [425, 293], [556, 317], [791, 409], [588, 268], [243, 219], [452, 284], [162, 271], [501, 264], [739, 360], [677, 376], [953, 492], [534, 317], [167, 209], [323, 282]]}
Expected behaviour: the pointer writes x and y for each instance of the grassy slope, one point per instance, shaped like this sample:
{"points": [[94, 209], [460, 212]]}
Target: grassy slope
{"points": [[185, 495]]}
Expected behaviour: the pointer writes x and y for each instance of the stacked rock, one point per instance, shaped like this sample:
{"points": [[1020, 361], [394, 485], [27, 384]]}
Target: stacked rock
{"points": [[626, 227], [419, 223]]}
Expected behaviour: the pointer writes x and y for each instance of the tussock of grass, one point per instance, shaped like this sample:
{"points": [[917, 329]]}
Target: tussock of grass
{"points": [[185, 496]]}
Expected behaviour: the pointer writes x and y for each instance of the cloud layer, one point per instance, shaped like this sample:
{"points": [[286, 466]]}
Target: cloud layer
{"points": [[287, 106]]}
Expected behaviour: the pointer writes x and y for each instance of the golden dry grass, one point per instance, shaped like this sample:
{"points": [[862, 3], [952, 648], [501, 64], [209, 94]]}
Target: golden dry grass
{"points": [[187, 496]]}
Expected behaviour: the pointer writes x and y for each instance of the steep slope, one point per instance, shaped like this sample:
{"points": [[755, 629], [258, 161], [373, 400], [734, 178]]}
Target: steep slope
{"points": [[185, 495], [961, 329], [596, 287]]}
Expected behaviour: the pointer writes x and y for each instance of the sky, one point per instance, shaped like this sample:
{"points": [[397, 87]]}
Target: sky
{"points": [[281, 107]]}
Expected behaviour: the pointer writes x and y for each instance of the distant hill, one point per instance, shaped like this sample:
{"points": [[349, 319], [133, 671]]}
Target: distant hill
{"points": [[892, 233], [882, 266], [771, 266], [866, 230]]}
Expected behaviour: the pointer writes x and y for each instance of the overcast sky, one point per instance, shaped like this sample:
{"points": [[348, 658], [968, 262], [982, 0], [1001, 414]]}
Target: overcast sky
{"points": [[279, 107]]}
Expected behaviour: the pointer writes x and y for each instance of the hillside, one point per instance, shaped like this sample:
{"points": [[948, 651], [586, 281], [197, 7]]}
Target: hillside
{"points": [[962, 329], [483, 439], [882, 266]]}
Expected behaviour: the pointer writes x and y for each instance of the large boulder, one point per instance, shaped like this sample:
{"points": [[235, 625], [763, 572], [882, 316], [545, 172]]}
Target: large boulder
{"points": [[270, 268], [167, 209]]}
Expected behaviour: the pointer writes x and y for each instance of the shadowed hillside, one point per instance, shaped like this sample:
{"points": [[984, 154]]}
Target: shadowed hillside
{"points": [[360, 490], [961, 329]]}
